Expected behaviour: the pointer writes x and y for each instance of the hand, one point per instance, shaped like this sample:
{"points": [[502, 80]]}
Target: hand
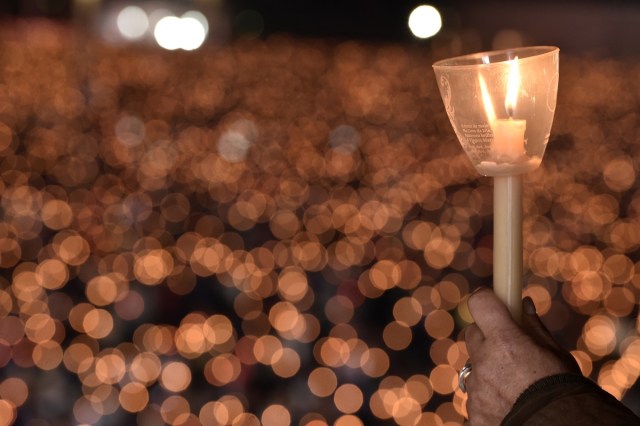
{"points": [[507, 358]]}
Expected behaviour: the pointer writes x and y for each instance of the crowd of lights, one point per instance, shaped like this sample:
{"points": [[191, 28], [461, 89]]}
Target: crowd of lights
{"points": [[284, 232]]}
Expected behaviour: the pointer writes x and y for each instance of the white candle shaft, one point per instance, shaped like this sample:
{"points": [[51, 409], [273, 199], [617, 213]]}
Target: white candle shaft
{"points": [[507, 242]]}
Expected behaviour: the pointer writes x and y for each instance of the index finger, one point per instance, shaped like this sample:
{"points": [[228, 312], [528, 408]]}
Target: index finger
{"points": [[490, 314]]}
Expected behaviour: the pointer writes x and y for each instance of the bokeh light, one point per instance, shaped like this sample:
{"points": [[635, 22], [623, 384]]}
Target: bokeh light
{"points": [[132, 22], [425, 21], [186, 33]]}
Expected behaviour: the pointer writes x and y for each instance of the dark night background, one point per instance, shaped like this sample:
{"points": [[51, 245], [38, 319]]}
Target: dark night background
{"points": [[607, 27]]}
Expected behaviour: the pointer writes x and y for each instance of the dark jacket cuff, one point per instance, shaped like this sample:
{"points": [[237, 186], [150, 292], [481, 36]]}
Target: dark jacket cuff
{"points": [[568, 399], [548, 383]]}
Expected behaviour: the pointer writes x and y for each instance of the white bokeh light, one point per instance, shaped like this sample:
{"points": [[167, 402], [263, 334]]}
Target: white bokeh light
{"points": [[425, 21], [185, 33], [234, 144], [167, 32], [192, 33], [132, 22], [199, 16]]}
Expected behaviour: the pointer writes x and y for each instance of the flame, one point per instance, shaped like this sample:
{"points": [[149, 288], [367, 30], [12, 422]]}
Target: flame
{"points": [[513, 86], [486, 99]]}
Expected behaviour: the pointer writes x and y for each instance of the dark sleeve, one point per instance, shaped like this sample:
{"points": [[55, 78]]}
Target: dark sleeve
{"points": [[568, 400]]}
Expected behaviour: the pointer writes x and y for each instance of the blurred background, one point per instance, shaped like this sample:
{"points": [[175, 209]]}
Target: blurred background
{"points": [[256, 212]]}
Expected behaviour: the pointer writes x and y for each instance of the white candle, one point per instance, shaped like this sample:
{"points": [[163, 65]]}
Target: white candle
{"points": [[507, 242], [508, 140], [507, 147]]}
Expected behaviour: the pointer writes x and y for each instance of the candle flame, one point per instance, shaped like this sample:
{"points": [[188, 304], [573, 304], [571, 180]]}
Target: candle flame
{"points": [[486, 99], [513, 86]]}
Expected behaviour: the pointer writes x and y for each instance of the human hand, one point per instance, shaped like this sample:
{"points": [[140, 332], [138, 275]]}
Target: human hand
{"points": [[507, 358]]}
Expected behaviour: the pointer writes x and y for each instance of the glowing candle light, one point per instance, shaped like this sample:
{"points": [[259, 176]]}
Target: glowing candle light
{"points": [[508, 134]]}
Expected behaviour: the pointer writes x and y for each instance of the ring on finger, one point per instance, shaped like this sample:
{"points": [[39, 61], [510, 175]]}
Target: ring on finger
{"points": [[462, 376]]}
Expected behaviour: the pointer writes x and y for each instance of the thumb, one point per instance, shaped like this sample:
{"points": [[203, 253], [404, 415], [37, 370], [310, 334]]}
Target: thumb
{"points": [[490, 314]]}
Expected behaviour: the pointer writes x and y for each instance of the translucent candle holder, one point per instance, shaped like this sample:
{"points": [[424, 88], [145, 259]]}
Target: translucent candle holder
{"points": [[501, 105]]}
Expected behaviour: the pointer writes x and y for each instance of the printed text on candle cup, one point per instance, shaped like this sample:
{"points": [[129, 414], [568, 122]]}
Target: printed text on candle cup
{"points": [[479, 138]]}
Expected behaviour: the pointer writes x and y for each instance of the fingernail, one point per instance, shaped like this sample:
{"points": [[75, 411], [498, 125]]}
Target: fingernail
{"points": [[476, 290], [528, 306]]}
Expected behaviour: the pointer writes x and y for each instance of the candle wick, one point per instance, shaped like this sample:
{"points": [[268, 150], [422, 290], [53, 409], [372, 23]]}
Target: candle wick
{"points": [[510, 111]]}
